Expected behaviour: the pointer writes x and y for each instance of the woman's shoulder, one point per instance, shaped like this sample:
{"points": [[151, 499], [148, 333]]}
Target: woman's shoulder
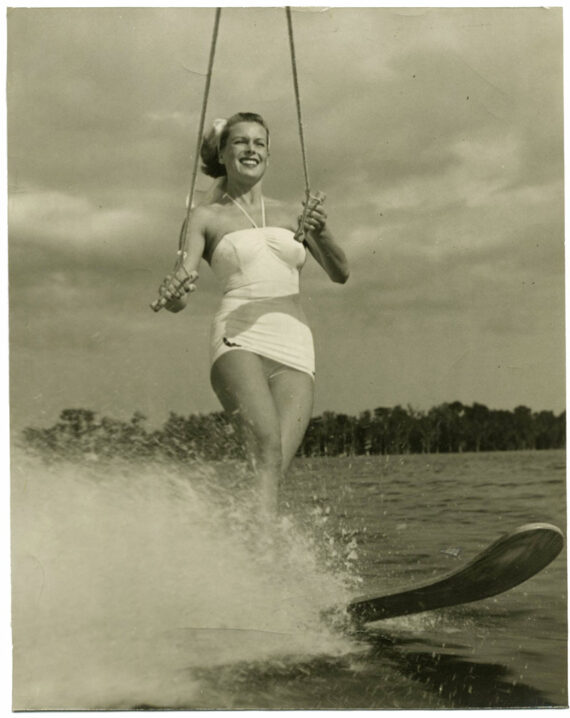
{"points": [[204, 214]]}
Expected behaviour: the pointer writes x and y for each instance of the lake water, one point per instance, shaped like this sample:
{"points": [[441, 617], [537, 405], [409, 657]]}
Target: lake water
{"points": [[153, 586]]}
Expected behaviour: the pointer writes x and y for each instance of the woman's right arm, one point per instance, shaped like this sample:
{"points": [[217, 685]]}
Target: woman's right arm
{"points": [[175, 287]]}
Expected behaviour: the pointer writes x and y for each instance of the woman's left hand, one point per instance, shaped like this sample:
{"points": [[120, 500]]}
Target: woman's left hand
{"points": [[315, 219]]}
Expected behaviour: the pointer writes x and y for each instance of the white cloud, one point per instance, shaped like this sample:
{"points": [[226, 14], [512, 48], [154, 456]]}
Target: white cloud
{"points": [[64, 220], [166, 117]]}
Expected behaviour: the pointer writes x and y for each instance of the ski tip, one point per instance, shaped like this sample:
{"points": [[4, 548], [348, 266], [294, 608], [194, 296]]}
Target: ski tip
{"points": [[513, 558], [538, 526]]}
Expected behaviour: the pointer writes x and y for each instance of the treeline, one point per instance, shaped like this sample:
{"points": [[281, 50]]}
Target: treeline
{"points": [[446, 428]]}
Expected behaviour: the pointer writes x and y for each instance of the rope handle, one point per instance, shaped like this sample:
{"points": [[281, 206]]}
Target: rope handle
{"points": [[159, 303], [185, 283], [314, 199]]}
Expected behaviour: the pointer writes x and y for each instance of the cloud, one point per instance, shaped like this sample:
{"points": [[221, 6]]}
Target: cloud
{"points": [[64, 219], [436, 133]]}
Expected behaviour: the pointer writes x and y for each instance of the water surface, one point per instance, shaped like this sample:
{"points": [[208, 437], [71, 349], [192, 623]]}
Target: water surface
{"points": [[154, 586]]}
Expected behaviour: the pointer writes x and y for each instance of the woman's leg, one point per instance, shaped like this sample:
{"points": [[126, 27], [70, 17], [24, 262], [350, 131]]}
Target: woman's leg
{"points": [[240, 382], [293, 393]]}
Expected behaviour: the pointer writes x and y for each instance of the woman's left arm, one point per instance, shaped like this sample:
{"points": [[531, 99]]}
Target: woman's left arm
{"points": [[323, 246]]}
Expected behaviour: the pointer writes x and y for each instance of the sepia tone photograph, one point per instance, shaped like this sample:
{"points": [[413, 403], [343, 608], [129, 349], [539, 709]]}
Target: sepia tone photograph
{"points": [[287, 358]]}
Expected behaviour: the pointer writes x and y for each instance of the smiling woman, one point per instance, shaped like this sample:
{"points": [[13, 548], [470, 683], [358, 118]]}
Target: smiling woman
{"points": [[217, 140], [261, 345]]}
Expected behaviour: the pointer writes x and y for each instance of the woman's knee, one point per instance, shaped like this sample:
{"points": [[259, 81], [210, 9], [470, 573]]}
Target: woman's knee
{"points": [[268, 444]]}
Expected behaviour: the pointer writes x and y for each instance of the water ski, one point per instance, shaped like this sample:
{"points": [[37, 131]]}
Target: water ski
{"points": [[507, 562]]}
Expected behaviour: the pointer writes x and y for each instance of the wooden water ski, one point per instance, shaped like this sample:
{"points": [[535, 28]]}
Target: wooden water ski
{"points": [[510, 560]]}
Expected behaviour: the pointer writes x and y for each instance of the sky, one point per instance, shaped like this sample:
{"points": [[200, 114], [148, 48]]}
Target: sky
{"points": [[437, 135]]}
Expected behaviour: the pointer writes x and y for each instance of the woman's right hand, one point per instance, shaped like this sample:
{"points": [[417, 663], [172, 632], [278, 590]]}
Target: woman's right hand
{"points": [[174, 288]]}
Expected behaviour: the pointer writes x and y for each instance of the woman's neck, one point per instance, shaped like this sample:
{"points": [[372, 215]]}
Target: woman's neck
{"points": [[247, 194]]}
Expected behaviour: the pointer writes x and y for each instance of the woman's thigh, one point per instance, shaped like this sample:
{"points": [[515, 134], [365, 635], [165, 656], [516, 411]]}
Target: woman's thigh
{"points": [[275, 409], [240, 383], [293, 393]]}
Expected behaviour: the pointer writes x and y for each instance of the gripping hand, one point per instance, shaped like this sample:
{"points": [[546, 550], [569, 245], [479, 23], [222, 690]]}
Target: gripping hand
{"points": [[174, 288], [313, 218]]}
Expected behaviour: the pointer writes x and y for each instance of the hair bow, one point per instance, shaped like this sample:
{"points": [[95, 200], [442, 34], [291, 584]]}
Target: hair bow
{"points": [[218, 126]]}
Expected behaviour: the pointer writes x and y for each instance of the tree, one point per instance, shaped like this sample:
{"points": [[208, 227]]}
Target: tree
{"points": [[380, 430], [399, 431], [449, 427], [363, 433], [450, 422], [524, 428], [477, 424], [313, 440]]}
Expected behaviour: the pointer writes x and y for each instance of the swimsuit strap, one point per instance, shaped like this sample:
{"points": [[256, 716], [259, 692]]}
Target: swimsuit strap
{"points": [[242, 209]]}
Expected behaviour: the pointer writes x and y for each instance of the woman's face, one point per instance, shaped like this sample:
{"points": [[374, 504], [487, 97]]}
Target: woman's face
{"points": [[245, 152]]}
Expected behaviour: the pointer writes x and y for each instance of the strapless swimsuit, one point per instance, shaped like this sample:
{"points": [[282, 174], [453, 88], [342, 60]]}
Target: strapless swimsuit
{"points": [[260, 311]]}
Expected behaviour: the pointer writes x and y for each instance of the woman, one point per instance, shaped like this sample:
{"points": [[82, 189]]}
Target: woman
{"points": [[261, 347]]}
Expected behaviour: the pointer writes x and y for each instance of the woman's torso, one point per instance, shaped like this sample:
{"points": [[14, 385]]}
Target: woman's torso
{"points": [[225, 217], [254, 260]]}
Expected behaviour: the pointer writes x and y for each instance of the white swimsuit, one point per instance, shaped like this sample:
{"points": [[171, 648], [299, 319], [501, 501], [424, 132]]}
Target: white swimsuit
{"points": [[260, 311]]}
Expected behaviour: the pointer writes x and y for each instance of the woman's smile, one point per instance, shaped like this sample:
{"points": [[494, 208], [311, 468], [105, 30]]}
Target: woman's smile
{"points": [[250, 161]]}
